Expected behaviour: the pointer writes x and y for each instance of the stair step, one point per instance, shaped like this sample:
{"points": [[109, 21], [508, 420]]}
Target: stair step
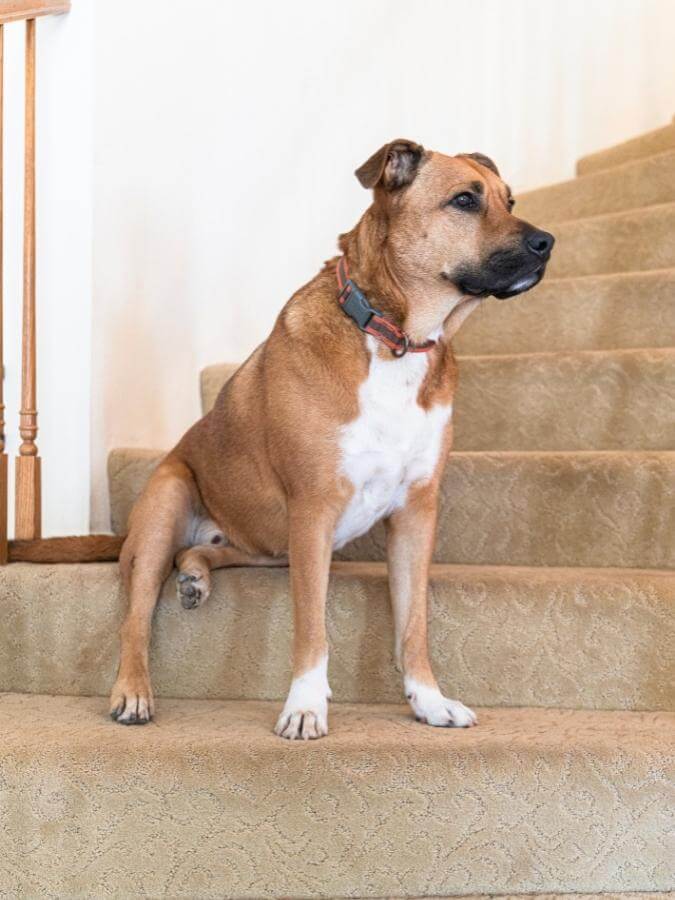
{"points": [[592, 312], [552, 509], [635, 240], [208, 802], [499, 636], [631, 185], [604, 400], [615, 895], [636, 148], [599, 400], [517, 508]]}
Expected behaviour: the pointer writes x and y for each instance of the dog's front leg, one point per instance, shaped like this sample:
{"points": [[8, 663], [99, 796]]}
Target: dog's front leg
{"points": [[410, 540], [305, 714]]}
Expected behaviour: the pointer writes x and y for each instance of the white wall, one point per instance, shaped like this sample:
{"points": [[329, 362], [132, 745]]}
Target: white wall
{"points": [[226, 137], [224, 140], [63, 241]]}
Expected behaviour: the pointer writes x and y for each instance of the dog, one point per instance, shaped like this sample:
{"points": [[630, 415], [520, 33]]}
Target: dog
{"points": [[341, 418]]}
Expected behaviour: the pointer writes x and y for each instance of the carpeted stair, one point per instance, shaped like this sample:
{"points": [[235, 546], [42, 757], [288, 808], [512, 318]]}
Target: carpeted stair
{"points": [[552, 608]]}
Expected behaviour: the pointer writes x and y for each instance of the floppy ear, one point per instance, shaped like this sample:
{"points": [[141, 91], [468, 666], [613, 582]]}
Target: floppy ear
{"points": [[393, 166], [484, 161]]}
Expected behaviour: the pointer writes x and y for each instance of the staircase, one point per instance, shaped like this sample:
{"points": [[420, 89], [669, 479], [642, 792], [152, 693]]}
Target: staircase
{"points": [[552, 606]]}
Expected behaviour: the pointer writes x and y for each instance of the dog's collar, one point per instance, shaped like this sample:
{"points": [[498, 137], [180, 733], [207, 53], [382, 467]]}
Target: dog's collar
{"points": [[355, 304]]}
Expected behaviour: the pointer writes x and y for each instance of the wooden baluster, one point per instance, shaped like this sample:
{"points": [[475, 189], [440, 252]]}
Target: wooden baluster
{"points": [[27, 519], [3, 454]]}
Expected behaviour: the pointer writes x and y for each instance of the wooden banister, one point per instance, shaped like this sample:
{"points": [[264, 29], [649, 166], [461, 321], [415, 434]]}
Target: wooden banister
{"points": [[3, 454], [27, 515], [12, 10], [28, 500]]}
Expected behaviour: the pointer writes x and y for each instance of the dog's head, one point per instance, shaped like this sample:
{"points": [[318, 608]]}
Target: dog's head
{"points": [[450, 218]]}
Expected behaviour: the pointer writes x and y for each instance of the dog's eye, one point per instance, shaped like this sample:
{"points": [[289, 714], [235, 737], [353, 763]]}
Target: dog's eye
{"points": [[465, 200], [511, 202]]}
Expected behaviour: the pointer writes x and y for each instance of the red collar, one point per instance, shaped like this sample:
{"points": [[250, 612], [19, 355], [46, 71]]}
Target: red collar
{"points": [[370, 320]]}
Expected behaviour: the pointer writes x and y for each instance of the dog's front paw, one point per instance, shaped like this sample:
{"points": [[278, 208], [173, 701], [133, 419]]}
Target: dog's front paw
{"points": [[431, 707], [193, 589], [302, 724], [305, 715], [131, 701]]}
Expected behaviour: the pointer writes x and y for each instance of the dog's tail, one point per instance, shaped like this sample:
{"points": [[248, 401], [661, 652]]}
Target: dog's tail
{"points": [[79, 549]]}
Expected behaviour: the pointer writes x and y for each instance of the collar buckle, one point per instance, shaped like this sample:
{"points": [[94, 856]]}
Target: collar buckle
{"points": [[356, 306]]}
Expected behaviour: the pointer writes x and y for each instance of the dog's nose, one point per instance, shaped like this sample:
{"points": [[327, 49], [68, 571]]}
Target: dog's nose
{"points": [[540, 243]]}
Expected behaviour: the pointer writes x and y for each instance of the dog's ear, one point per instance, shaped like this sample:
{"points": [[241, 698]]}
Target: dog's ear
{"points": [[484, 161], [393, 166]]}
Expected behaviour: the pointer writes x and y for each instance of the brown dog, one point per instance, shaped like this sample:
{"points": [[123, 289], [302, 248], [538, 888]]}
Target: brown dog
{"points": [[341, 418]]}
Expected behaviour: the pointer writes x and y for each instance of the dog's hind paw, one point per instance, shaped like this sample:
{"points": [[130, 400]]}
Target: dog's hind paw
{"points": [[193, 589]]}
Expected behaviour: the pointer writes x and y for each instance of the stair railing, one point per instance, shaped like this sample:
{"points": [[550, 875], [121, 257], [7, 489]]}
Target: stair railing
{"points": [[28, 500]]}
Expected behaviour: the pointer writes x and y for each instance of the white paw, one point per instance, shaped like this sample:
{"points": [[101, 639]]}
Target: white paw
{"points": [[302, 724], [430, 706], [305, 714]]}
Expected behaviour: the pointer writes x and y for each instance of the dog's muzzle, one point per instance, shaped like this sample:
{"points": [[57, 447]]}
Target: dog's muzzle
{"points": [[511, 271]]}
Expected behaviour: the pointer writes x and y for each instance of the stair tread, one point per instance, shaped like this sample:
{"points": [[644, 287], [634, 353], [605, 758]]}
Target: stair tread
{"points": [[605, 311], [72, 722], [634, 148], [565, 400], [499, 635], [629, 185], [581, 400], [599, 353], [522, 507], [207, 802], [635, 239], [637, 212]]}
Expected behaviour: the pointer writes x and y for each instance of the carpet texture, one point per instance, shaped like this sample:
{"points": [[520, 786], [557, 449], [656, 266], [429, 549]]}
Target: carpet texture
{"points": [[207, 802], [586, 638]]}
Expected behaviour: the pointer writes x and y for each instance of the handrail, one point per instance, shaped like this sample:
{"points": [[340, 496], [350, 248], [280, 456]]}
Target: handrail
{"points": [[14, 10]]}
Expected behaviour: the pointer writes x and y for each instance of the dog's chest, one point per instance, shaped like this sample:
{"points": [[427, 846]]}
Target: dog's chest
{"points": [[392, 444]]}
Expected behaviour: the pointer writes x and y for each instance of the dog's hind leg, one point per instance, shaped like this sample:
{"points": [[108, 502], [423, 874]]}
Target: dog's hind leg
{"points": [[194, 565], [159, 526]]}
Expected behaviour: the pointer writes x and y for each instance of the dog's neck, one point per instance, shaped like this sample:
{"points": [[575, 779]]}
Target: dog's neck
{"points": [[421, 309]]}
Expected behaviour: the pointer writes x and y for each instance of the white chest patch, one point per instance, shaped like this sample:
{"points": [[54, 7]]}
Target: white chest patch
{"points": [[391, 445]]}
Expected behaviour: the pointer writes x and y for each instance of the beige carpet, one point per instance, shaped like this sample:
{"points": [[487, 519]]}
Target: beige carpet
{"points": [[207, 802], [525, 508], [551, 608], [599, 639], [590, 400], [593, 312], [644, 145]]}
